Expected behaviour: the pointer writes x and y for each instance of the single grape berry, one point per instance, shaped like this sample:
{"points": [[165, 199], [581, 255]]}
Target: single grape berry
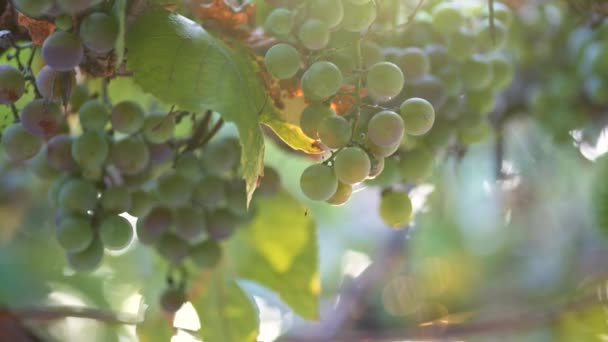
{"points": [[190, 223], [352, 165], [88, 259], [270, 183], [62, 51], [314, 34], [12, 84], [80, 94], [19, 144], [206, 254], [384, 81], [389, 176], [335, 132], [490, 39], [59, 153], [481, 101], [115, 232], [63, 22], [477, 72], [359, 15], [141, 203], [416, 164], [279, 22], [189, 166], [154, 224], [430, 88], [209, 192], [54, 85], [318, 182], [173, 189], [385, 128], [330, 12], [461, 44], [418, 116], [342, 194], [172, 248], [447, 17], [221, 224], [99, 32], [34, 8], [502, 12], [130, 155], [116, 199], [78, 195], [158, 128], [502, 71], [395, 209], [41, 118], [93, 115], [172, 300], [282, 61], [321, 81], [222, 156], [127, 117], [371, 53], [312, 116], [75, 233], [90, 150], [414, 62], [378, 150], [39, 164]]}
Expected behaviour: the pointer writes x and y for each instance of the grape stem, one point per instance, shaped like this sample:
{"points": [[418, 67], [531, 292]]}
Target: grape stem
{"points": [[15, 113], [358, 83]]}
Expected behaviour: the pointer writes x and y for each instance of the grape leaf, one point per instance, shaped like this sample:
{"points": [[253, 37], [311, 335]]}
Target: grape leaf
{"points": [[227, 314], [179, 62], [279, 250], [290, 133]]}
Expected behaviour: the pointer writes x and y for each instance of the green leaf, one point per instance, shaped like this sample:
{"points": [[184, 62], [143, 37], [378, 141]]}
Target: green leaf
{"points": [[279, 250], [226, 312], [180, 63], [119, 10], [290, 133]]}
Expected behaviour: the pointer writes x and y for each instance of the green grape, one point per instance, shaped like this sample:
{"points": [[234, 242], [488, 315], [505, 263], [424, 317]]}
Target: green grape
{"points": [[209, 192], [237, 198], [416, 164], [358, 16], [481, 101], [19, 144], [311, 118], [477, 72], [63, 22], [502, 12], [384, 81], [55, 189], [221, 224], [172, 299], [59, 153], [314, 34], [116, 199], [377, 166], [447, 17], [270, 184], [279, 22], [93, 115], [161, 154], [173, 189], [87, 260], [12, 84], [395, 209], [41, 167], [54, 85], [430, 88], [502, 71], [76, 6], [115, 232], [206, 254], [342, 194], [75, 233], [380, 151], [437, 56], [99, 32], [318, 182], [78, 195], [282, 61], [90, 150], [371, 53], [473, 134], [222, 156], [321, 81], [389, 176], [352, 165], [41, 118], [141, 203], [344, 60], [335, 132], [80, 94], [461, 44], [93, 174], [62, 51], [189, 223], [385, 128], [418, 116], [158, 128], [453, 81], [488, 40], [130, 155], [189, 166], [152, 226], [329, 12], [415, 63], [127, 117], [34, 8]]}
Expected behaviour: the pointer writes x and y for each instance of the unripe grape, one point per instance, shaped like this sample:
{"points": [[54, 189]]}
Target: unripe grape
{"points": [[173, 189], [311, 118], [502, 71], [270, 183], [318, 182], [154, 224], [158, 128], [389, 176], [418, 116], [371, 53], [358, 16], [377, 166], [437, 55], [380, 151], [502, 12], [414, 62], [54, 85], [189, 166], [384, 81], [342, 194], [63, 22], [62, 51], [488, 40], [209, 192], [395, 209], [160, 154], [221, 224], [329, 12], [172, 300], [19, 144], [12, 84], [33, 8], [99, 32], [481, 101], [416, 164], [87, 260], [80, 95], [279, 22], [59, 153], [314, 34], [222, 156], [94, 115], [321, 81], [115, 232], [40, 166], [430, 88], [78, 195], [237, 198], [116, 199], [335, 132], [282, 61], [190, 223], [90, 150], [206, 254], [461, 44], [75, 233], [41, 118], [141, 203], [477, 72], [385, 128], [452, 80], [473, 134], [447, 17], [127, 117], [76, 6], [352, 165], [130, 155]]}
